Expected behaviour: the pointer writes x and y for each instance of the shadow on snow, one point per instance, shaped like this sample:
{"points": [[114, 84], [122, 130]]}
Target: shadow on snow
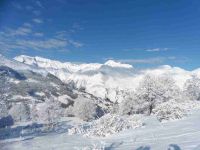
{"points": [[35, 129]]}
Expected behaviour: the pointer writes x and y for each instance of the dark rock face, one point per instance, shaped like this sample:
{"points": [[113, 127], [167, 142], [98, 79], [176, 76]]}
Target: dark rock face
{"points": [[29, 84], [6, 71], [6, 121]]}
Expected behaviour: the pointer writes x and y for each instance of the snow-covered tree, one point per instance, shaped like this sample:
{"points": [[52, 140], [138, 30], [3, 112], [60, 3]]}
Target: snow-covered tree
{"points": [[85, 109], [53, 110], [131, 105], [3, 109], [68, 112], [20, 112], [34, 112], [3, 106], [148, 92], [4, 89], [192, 88], [154, 90], [48, 112]]}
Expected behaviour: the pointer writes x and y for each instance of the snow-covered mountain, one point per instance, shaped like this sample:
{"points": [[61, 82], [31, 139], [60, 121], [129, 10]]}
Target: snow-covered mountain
{"points": [[71, 67], [23, 86], [111, 80]]}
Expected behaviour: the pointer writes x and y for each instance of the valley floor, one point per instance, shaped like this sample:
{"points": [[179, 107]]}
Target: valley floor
{"points": [[174, 135]]}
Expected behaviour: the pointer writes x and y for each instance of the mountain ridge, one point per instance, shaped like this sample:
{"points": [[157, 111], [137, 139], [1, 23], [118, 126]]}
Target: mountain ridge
{"points": [[109, 80]]}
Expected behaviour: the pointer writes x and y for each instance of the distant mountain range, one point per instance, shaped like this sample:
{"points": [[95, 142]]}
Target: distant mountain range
{"points": [[111, 80]]}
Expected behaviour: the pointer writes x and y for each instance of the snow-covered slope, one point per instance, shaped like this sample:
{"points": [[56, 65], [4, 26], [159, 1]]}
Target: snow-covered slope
{"points": [[110, 80], [25, 87], [178, 135]]}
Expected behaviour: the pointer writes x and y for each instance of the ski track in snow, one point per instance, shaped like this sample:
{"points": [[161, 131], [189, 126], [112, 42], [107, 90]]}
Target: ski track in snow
{"points": [[181, 135]]}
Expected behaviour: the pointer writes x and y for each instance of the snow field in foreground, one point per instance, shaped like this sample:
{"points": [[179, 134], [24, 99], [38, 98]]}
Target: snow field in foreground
{"points": [[180, 134]]}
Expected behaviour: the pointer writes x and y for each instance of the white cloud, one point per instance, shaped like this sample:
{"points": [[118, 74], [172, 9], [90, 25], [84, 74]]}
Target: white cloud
{"points": [[77, 26], [147, 49], [36, 12], [154, 60], [62, 35], [157, 49], [42, 44], [39, 34], [9, 44], [24, 38], [37, 20], [38, 3], [75, 43], [26, 24], [21, 31], [29, 7]]}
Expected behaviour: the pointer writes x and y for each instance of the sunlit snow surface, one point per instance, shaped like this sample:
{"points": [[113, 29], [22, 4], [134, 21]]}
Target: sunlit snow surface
{"points": [[177, 135]]}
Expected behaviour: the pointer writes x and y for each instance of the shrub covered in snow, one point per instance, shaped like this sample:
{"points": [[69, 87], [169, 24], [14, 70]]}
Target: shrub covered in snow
{"points": [[85, 109], [192, 88], [108, 125], [20, 112], [191, 105], [170, 110]]}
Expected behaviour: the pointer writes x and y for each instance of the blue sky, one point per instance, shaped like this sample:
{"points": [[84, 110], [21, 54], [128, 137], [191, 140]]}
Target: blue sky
{"points": [[145, 33]]}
